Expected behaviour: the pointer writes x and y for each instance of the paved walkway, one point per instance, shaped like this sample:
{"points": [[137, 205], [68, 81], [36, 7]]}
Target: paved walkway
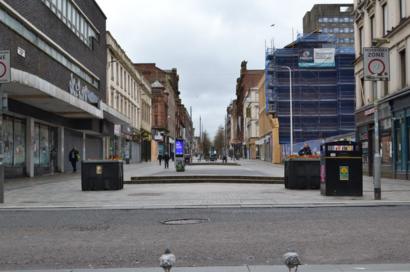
{"points": [[254, 268], [64, 191]]}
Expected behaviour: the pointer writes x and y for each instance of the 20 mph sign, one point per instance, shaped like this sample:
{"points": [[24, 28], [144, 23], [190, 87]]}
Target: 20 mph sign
{"points": [[4, 66], [376, 63]]}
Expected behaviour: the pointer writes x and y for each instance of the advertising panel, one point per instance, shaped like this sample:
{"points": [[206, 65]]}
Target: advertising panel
{"points": [[179, 147], [317, 57]]}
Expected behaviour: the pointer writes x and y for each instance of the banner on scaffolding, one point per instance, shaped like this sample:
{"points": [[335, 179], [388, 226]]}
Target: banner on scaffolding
{"points": [[317, 57]]}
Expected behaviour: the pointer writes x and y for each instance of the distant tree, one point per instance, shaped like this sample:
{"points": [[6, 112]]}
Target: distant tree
{"points": [[206, 144], [219, 140]]}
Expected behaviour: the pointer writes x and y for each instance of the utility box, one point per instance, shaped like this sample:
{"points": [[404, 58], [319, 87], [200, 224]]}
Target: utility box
{"points": [[341, 169], [98, 175], [302, 173]]}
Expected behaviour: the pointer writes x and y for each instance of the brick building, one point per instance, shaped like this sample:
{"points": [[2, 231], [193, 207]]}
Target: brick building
{"points": [[165, 93], [248, 79], [56, 99]]}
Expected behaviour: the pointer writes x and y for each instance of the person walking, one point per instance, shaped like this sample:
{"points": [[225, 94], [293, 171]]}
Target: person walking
{"points": [[305, 150], [166, 160], [159, 158], [74, 157]]}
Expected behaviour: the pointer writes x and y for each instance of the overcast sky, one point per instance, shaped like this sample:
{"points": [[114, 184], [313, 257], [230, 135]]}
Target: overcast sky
{"points": [[206, 40]]}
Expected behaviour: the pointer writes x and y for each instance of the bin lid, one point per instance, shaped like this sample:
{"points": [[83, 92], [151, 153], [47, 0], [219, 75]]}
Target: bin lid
{"points": [[102, 161]]}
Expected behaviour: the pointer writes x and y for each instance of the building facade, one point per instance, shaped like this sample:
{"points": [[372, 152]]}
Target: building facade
{"points": [[323, 96], [335, 19], [247, 80], [385, 24], [251, 122], [267, 145], [57, 94], [166, 123], [129, 94]]}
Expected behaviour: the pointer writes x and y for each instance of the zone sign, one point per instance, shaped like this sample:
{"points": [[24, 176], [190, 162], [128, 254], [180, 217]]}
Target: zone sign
{"points": [[376, 63], [4, 66]]}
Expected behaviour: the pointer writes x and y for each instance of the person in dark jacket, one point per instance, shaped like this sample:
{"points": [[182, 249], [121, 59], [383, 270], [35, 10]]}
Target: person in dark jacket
{"points": [[74, 157], [305, 150], [166, 160], [159, 158]]}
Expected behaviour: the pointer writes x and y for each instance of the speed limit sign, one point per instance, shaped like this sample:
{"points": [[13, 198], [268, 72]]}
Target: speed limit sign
{"points": [[376, 63], [4, 66]]}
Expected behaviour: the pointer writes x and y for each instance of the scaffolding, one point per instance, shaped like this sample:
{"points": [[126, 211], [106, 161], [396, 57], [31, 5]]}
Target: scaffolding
{"points": [[323, 97]]}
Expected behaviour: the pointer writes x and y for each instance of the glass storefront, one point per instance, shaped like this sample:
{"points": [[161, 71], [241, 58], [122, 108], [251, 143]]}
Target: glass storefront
{"points": [[44, 142], [14, 141]]}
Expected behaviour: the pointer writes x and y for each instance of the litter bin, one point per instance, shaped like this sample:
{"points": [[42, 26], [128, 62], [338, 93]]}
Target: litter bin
{"points": [[341, 169], [97, 175], [302, 173]]}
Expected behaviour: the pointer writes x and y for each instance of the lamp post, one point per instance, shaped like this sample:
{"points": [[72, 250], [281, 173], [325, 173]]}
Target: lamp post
{"points": [[290, 102]]}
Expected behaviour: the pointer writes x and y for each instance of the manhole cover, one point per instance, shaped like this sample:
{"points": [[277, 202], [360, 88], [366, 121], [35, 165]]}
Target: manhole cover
{"points": [[185, 221]]}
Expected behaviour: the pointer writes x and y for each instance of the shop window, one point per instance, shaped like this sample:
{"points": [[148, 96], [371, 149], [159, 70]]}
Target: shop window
{"points": [[19, 142], [8, 141], [398, 148], [408, 139], [44, 147], [14, 141], [386, 149]]}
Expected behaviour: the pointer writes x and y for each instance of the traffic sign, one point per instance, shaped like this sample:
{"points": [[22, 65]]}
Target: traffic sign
{"points": [[4, 66], [376, 63]]}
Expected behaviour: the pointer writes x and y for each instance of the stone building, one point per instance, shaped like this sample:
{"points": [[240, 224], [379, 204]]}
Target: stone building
{"points": [[251, 122], [267, 145], [384, 24], [246, 80], [129, 94]]}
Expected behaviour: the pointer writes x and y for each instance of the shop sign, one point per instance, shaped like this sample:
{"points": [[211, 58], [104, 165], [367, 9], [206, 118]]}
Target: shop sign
{"points": [[117, 130], [344, 173], [81, 91]]}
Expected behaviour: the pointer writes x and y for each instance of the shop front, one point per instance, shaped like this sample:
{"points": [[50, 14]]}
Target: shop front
{"points": [[145, 145], [14, 135], [401, 136]]}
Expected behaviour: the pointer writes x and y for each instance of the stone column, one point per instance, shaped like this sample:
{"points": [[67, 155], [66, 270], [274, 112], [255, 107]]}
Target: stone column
{"points": [[60, 151], [30, 143]]}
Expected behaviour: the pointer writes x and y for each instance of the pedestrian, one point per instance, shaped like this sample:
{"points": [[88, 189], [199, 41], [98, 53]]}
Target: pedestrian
{"points": [[166, 160], [74, 157], [305, 150], [159, 158]]}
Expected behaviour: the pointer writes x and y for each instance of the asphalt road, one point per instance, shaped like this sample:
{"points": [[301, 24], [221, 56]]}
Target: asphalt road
{"points": [[136, 238]]}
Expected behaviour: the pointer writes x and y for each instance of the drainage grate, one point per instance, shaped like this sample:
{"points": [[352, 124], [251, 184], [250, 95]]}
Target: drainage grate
{"points": [[185, 221]]}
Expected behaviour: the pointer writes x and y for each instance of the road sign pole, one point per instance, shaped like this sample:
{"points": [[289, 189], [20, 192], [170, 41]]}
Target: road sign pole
{"points": [[1, 148], [376, 68], [376, 157]]}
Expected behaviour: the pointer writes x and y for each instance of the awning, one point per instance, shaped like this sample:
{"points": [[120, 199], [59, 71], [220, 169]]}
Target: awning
{"points": [[113, 115], [37, 92]]}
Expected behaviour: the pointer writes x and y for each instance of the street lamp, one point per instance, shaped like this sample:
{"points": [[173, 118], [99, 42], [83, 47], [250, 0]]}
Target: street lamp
{"points": [[290, 102]]}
